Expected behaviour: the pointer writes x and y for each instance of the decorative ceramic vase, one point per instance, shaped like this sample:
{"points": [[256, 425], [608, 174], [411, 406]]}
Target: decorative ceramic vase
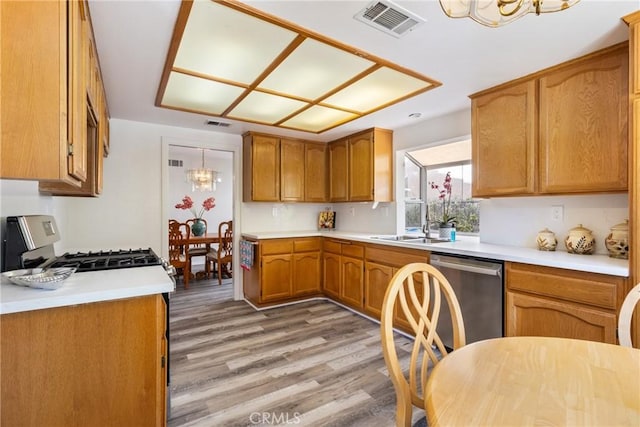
{"points": [[617, 242], [580, 241], [546, 240], [444, 232], [198, 228]]}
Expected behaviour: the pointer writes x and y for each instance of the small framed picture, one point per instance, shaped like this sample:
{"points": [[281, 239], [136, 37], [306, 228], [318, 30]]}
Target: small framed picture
{"points": [[327, 219]]}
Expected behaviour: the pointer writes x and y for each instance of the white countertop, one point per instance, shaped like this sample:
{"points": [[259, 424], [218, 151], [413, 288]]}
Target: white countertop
{"points": [[88, 287], [471, 246]]}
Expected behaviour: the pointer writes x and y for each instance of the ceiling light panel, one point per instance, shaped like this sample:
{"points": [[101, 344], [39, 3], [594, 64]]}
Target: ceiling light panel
{"points": [[380, 88], [318, 119], [314, 69], [197, 94], [229, 45], [265, 108], [228, 59]]}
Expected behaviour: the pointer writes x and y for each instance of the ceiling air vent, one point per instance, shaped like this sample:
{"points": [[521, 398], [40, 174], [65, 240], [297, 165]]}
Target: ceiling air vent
{"points": [[389, 18], [217, 123]]}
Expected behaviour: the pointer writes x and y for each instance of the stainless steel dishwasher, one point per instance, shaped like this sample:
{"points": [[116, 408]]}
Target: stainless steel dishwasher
{"points": [[479, 287]]}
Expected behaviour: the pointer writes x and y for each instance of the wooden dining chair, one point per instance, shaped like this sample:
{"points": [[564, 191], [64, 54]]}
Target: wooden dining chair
{"points": [[626, 313], [413, 302], [178, 250], [198, 250], [222, 256]]}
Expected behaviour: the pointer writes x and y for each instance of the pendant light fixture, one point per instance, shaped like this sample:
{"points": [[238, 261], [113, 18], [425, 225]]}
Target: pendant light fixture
{"points": [[495, 13], [203, 179]]}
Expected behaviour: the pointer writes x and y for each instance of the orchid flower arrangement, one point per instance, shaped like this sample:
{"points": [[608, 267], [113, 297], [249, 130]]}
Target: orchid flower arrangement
{"points": [[187, 203], [445, 196]]}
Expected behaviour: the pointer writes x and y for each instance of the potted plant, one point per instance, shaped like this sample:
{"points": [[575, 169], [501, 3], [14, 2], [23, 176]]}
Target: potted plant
{"points": [[446, 223]]}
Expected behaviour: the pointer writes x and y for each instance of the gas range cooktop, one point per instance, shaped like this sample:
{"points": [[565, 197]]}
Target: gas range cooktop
{"points": [[107, 260]]}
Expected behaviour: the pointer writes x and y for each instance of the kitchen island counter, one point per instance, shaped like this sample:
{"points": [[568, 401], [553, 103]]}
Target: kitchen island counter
{"points": [[471, 246], [82, 288]]}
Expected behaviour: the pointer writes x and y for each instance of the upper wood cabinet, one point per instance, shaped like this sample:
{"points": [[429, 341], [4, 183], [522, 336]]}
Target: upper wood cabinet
{"points": [[361, 167], [54, 112], [315, 169], [292, 170], [43, 100], [504, 145], [279, 169], [561, 130], [338, 170], [261, 168], [583, 124], [92, 100]]}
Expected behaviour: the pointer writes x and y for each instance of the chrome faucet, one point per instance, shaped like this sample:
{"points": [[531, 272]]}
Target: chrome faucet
{"points": [[425, 226]]}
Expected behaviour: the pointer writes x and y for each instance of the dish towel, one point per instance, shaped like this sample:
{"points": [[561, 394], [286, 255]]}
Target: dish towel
{"points": [[246, 254]]}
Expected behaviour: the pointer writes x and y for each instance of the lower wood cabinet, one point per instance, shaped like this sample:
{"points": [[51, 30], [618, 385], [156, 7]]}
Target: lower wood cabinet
{"points": [[545, 301], [343, 263], [538, 316], [92, 364], [382, 262], [306, 267], [283, 270]]}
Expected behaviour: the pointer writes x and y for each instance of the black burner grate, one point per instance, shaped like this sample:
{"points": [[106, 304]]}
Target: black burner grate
{"points": [[107, 260]]}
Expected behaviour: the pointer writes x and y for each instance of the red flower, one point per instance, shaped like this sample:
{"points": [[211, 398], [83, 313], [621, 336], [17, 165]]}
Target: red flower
{"points": [[187, 203]]}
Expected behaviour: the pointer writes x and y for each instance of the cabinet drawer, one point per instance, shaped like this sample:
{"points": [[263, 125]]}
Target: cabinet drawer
{"points": [[306, 245], [351, 250], [276, 246], [395, 257], [332, 246], [578, 286]]}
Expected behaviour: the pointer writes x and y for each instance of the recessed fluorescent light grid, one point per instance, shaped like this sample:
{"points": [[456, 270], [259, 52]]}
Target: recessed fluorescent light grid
{"points": [[230, 60]]}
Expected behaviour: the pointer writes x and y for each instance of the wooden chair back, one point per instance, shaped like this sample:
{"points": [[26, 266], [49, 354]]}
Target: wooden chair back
{"points": [[626, 313], [224, 256], [413, 301], [178, 249]]}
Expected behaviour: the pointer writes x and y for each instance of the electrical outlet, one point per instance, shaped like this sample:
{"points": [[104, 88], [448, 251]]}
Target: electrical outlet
{"points": [[557, 213], [274, 211], [352, 211]]}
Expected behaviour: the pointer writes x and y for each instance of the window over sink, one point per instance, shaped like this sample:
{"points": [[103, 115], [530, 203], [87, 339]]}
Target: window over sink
{"points": [[423, 203]]}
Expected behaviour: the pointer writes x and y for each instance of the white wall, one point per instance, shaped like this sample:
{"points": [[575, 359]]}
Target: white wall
{"points": [[516, 221]]}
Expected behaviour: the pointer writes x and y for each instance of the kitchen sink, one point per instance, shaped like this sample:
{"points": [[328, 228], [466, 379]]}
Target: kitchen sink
{"points": [[409, 239]]}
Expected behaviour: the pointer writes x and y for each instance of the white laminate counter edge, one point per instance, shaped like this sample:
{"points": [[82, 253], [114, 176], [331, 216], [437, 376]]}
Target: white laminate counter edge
{"points": [[601, 264], [83, 288]]}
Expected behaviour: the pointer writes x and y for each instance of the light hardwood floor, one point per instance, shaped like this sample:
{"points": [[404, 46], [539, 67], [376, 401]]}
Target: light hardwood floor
{"points": [[308, 364]]}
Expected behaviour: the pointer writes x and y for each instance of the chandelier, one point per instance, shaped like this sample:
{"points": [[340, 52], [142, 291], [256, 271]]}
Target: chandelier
{"points": [[495, 13], [203, 179]]}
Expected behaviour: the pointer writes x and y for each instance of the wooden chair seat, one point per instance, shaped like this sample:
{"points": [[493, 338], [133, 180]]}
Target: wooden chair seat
{"points": [[412, 303]]}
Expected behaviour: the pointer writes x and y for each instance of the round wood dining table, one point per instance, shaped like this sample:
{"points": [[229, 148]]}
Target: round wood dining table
{"points": [[535, 381]]}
